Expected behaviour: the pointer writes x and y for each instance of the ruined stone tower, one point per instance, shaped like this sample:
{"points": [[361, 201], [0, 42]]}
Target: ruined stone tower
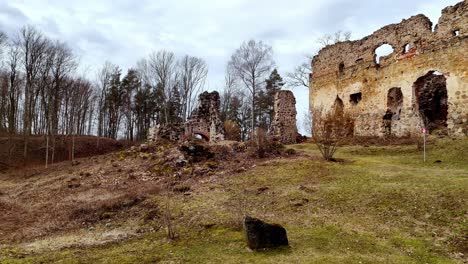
{"points": [[205, 120], [283, 126], [422, 83]]}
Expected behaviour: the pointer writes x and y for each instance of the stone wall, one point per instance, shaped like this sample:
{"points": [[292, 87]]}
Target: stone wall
{"points": [[205, 120], [172, 132], [348, 71], [283, 125]]}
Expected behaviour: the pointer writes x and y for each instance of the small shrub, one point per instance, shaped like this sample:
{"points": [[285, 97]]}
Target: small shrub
{"points": [[106, 215], [290, 151], [223, 152], [329, 129], [211, 164], [232, 131], [240, 147], [181, 188], [151, 215], [261, 144]]}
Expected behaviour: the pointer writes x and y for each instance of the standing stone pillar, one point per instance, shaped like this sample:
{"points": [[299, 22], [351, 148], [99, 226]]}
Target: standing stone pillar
{"points": [[283, 126]]}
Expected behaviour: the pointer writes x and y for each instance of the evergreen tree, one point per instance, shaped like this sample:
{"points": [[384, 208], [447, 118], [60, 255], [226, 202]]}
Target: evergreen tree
{"points": [[159, 104], [175, 106], [144, 110], [129, 86], [114, 100], [265, 99]]}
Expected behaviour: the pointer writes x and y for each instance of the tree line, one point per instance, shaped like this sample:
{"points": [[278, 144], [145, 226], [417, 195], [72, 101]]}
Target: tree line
{"points": [[42, 92]]}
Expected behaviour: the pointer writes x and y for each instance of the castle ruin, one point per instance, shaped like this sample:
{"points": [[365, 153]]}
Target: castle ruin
{"points": [[283, 126], [422, 83], [204, 123], [205, 120]]}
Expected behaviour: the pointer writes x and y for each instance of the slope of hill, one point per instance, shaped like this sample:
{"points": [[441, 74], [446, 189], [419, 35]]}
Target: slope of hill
{"points": [[378, 204], [11, 149]]}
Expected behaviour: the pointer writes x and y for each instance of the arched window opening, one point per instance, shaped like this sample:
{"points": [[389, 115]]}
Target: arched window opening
{"points": [[394, 105], [338, 106], [382, 51], [431, 100], [341, 68], [406, 48]]}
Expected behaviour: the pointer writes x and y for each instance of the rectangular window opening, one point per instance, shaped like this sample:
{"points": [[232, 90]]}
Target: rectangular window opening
{"points": [[355, 98]]}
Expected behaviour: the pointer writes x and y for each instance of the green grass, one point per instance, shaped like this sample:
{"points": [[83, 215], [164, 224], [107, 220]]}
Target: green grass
{"points": [[381, 205]]}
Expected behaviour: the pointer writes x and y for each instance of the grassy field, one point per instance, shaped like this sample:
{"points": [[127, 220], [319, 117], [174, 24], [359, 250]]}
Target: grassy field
{"points": [[377, 205]]}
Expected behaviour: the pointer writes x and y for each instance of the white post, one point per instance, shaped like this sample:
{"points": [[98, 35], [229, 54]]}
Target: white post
{"points": [[424, 136]]}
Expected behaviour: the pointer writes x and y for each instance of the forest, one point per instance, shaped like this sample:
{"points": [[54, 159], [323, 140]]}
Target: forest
{"points": [[42, 91]]}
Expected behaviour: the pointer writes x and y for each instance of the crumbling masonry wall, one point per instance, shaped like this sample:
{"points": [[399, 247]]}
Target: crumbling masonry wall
{"points": [[205, 120], [283, 125], [349, 71]]}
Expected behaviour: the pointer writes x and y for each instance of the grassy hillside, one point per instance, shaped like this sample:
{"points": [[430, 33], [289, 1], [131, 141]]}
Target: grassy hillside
{"points": [[377, 205]]}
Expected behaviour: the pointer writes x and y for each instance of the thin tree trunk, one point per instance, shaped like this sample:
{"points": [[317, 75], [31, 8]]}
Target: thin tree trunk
{"points": [[47, 150], [73, 147]]}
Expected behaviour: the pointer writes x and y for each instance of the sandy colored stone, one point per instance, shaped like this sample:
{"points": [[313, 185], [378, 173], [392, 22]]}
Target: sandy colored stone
{"points": [[349, 67]]}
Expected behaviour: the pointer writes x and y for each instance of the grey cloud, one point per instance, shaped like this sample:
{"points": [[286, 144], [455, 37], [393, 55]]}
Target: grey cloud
{"points": [[123, 31], [10, 18]]}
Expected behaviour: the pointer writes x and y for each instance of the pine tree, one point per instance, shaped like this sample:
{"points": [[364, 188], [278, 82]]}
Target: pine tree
{"points": [[265, 99], [144, 110], [129, 86], [175, 106], [114, 100]]}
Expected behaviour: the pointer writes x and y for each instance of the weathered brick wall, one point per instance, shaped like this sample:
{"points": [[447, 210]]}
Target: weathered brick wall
{"points": [[349, 67], [283, 125]]}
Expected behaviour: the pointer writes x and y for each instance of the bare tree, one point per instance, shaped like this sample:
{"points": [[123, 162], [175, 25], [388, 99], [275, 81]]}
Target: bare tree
{"points": [[45, 91], [13, 60], [33, 46], [64, 64], [3, 41], [329, 129], [103, 83], [192, 72], [300, 76], [159, 72], [307, 122], [3, 87], [251, 64], [229, 91], [14, 92], [163, 65], [338, 36]]}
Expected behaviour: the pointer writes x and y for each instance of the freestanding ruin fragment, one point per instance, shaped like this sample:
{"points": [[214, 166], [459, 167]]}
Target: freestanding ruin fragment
{"points": [[171, 132], [423, 83], [283, 125], [205, 121]]}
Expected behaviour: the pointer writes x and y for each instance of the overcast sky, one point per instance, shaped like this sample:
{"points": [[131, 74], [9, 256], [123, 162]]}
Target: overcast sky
{"points": [[123, 31]]}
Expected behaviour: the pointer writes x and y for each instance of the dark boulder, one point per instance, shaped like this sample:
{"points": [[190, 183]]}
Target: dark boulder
{"points": [[196, 151], [261, 235]]}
